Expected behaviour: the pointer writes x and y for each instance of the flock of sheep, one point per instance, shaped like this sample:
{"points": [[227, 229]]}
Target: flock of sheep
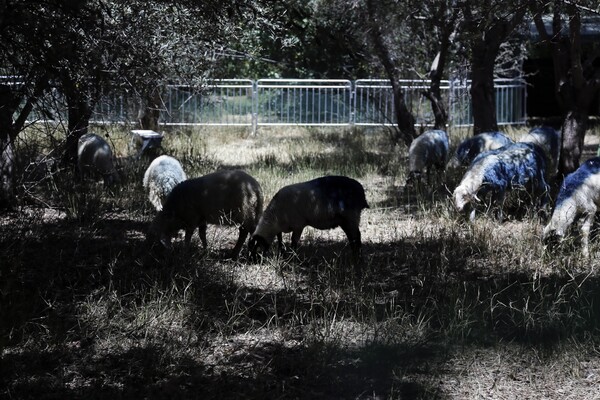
{"points": [[495, 165], [233, 197]]}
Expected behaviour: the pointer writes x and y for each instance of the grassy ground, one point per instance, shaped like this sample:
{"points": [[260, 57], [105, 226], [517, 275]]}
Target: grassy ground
{"points": [[445, 309]]}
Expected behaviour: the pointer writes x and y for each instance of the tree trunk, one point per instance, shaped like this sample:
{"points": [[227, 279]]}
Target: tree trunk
{"points": [[11, 98], [7, 111], [573, 135], [446, 36], [487, 36], [439, 107], [149, 112], [577, 80], [79, 114], [8, 102], [434, 93], [404, 118], [7, 175], [483, 96]]}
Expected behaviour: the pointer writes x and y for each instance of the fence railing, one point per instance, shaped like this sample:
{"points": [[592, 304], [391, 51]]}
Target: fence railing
{"points": [[220, 102], [310, 102], [374, 101], [304, 102]]}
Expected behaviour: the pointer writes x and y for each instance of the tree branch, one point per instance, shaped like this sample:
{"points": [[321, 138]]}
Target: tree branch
{"points": [[575, 46], [538, 21]]}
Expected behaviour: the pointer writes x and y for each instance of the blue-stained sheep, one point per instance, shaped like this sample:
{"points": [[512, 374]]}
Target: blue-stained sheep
{"points": [[549, 139], [227, 197], [579, 196], [323, 203], [475, 145], [95, 157], [427, 151], [162, 175], [513, 166]]}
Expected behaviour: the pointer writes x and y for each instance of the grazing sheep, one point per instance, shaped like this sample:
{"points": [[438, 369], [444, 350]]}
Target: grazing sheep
{"points": [[162, 175], [228, 197], [579, 196], [475, 145], [323, 203], [549, 139], [496, 171], [94, 156], [427, 151]]}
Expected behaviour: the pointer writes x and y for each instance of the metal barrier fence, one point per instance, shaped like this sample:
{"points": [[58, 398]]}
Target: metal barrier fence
{"points": [[511, 106], [317, 102], [308, 102], [374, 101], [219, 102]]}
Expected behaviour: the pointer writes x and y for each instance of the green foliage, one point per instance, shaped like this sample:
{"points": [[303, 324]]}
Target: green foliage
{"points": [[317, 39]]}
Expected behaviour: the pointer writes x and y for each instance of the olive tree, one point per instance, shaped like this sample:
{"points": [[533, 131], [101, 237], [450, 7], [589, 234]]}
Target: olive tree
{"points": [[85, 49], [485, 27], [413, 39], [576, 72]]}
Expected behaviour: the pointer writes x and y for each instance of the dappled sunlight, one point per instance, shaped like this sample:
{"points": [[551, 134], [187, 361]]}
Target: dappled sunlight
{"points": [[435, 307]]}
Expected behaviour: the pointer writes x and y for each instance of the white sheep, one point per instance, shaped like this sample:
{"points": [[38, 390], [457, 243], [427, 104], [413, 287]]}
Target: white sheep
{"points": [[227, 197], [427, 151], [95, 157], [162, 175], [549, 139], [471, 147], [579, 196], [496, 171], [323, 203]]}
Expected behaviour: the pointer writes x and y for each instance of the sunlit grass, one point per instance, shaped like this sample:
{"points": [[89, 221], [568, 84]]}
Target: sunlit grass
{"points": [[81, 290]]}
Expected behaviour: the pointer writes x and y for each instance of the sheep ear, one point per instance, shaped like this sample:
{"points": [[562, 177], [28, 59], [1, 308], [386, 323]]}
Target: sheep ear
{"points": [[472, 215]]}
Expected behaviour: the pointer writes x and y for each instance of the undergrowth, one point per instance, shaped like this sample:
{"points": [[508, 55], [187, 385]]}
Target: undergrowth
{"points": [[88, 309]]}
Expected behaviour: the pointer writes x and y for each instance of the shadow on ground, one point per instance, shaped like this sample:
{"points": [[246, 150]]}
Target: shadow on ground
{"points": [[424, 283]]}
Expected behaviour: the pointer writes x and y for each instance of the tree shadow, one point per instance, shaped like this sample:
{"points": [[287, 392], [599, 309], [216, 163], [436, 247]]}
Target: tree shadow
{"points": [[443, 280], [266, 370], [438, 278]]}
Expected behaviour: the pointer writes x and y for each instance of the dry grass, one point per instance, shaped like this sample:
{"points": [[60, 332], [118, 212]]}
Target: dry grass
{"points": [[445, 309]]}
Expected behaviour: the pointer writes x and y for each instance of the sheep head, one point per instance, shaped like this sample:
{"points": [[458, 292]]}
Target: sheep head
{"points": [[162, 229], [258, 247], [463, 197], [413, 178]]}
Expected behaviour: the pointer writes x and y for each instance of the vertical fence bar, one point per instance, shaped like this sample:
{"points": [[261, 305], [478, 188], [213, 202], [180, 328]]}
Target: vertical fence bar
{"points": [[254, 106]]}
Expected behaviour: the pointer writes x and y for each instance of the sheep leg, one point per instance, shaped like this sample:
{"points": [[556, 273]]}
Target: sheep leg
{"points": [[353, 234], [202, 234], [296, 237], [543, 200], [498, 201], [543, 192], [240, 242], [280, 242], [585, 232]]}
